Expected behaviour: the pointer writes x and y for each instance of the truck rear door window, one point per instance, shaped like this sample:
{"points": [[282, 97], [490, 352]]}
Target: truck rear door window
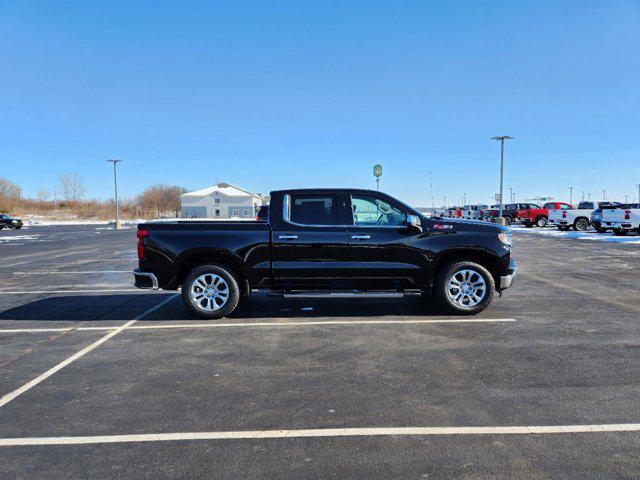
{"points": [[314, 209]]}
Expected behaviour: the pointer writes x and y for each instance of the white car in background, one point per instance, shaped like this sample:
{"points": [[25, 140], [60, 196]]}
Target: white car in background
{"points": [[622, 220], [578, 218], [474, 212]]}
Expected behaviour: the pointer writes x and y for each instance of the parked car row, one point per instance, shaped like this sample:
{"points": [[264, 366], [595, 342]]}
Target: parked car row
{"points": [[602, 216]]}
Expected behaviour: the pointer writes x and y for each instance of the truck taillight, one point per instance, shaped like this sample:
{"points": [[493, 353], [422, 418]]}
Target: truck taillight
{"points": [[564, 214], [627, 214], [142, 233]]}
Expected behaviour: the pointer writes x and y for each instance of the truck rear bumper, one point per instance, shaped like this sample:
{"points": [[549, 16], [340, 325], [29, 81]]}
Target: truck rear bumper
{"points": [[145, 280]]}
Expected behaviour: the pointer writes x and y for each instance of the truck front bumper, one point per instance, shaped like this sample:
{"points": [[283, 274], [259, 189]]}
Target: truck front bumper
{"points": [[145, 280], [507, 280]]}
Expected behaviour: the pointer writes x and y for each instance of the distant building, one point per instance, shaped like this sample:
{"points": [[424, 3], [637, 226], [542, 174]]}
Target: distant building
{"points": [[219, 201]]}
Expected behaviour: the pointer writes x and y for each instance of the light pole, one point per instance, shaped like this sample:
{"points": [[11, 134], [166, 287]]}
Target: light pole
{"points": [[626, 199], [570, 195], [115, 184], [501, 139], [638, 185], [511, 194], [604, 195], [588, 197]]}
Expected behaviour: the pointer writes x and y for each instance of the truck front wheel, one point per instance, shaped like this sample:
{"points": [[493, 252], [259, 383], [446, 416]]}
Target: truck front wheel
{"points": [[464, 287], [210, 291]]}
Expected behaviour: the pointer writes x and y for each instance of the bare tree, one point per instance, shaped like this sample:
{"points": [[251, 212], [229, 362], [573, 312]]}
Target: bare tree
{"points": [[161, 199], [42, 194], [10, 194], [72, 186]]}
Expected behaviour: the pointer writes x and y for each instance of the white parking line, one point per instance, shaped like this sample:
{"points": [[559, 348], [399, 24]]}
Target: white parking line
{"points": [[111, 290], [74, 272], [27, 386], [324, 432], [264, 324]]}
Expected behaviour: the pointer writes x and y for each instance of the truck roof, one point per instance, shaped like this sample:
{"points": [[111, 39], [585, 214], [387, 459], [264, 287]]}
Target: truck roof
{"points": [[302, 191]]}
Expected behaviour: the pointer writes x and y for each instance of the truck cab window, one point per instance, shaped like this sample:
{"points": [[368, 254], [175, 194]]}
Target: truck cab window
{"points": [[314, 209], [373, 211]]}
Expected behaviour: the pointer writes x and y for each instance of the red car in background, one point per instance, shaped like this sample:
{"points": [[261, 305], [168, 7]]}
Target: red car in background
{"points": [[539, 216]]}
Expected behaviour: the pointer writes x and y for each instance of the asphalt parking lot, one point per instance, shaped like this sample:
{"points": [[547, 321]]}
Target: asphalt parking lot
{"points": [[102, 381]]}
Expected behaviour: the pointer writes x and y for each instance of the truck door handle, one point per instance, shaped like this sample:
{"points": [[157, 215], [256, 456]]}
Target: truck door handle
{"points": [[287, 237], [360, 237]]}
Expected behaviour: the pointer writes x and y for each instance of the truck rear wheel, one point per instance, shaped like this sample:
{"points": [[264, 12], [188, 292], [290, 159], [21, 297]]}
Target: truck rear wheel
{"points": [[464, 287], [210, 291], [581, 224], [619, 232]]}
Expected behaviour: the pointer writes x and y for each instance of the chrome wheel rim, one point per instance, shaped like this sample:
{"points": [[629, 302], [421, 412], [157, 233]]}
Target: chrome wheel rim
{"points": [[466, 288], [209, 292], [582, 225]]}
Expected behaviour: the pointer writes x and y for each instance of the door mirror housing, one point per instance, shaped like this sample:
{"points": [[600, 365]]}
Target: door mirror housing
{"points": [[414, 223]]}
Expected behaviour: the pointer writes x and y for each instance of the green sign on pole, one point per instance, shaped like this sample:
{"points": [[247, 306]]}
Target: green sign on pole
{"points": [[377, 170]]}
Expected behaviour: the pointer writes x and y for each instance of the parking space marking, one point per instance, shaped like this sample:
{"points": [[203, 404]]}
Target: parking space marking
{"points": [[320, 322], [27, 386], [111, 290], [265, 324], [75, 272], [323, 432]]}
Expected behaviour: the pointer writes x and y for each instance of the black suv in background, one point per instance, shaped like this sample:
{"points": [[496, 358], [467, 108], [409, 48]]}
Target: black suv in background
{"points": [[9, 222]]}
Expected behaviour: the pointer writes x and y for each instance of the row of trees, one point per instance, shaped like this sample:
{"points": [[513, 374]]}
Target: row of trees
{"points": [[155, 201]]}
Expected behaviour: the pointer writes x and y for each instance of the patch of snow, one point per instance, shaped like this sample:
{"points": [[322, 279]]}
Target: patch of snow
{"points": [[630, 239], [14, 238]]}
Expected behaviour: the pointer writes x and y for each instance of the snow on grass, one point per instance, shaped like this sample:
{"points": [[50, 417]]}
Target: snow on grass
{"points": [[630, 239]]}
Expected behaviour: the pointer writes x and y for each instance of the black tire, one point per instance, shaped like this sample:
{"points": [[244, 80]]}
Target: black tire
{"points": [[619, 232], [442, 281], [18, 227], [231, 286], [1, 227], [541, 222], [507, 221], [581, 224], [562, 228], [528, 224], [599, 228]]}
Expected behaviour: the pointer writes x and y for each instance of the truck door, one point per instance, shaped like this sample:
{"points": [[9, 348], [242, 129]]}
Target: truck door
{"points": [[384, 251], [309, 240]]}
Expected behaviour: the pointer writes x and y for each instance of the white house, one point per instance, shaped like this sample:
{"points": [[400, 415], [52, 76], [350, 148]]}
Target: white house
{"points": [[220, 201]]}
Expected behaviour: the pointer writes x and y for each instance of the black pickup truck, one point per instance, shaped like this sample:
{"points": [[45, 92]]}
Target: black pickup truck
{"points": [[327, 243]]}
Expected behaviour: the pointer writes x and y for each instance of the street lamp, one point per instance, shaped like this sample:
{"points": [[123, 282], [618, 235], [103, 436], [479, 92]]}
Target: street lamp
{"points": [[604, 194], [570, 195], [115, 184], [638, 185], [511, 194], [501, 140]]}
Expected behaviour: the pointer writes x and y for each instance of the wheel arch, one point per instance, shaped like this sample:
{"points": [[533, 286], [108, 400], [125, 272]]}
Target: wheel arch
{"points": [[224, 258], [487, 259]]}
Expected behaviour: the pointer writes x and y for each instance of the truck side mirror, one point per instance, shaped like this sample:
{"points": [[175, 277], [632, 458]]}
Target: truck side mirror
{"points": [[414, 223]]}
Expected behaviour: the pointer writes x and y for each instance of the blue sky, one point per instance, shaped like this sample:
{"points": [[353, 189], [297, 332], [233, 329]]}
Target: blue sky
{"points": [[277, 94]]}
